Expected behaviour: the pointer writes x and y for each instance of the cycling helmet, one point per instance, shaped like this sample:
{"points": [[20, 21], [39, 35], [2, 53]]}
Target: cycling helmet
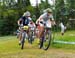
{"points": [[48, 10], [27, 13]]}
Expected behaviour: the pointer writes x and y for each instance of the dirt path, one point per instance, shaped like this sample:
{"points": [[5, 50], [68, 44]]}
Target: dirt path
{"points": [[37, 53], [59, 53]]}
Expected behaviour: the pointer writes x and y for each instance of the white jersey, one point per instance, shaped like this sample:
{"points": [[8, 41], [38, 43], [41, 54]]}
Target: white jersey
{"points": [[46, 19], [29, 18], [32, 26]]}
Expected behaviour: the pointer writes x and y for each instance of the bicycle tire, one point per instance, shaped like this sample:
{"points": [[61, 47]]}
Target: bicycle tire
{"points": [[41, 44], [31, 39], [23, 40], [22, 47], [45, 47]]}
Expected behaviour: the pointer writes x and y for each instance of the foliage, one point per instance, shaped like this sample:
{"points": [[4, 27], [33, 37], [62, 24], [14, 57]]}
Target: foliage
{"points": [[11, 11], [44, 5], [10, 14]]}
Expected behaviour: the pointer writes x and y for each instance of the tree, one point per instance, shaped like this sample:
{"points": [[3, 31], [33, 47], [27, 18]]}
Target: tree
{"points": [[72, 8], [10, 12], [59, 8], [65, 9], [44, 5]]}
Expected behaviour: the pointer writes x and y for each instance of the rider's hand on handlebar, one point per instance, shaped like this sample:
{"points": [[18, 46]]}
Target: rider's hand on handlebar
{"points": [[20, 25]]}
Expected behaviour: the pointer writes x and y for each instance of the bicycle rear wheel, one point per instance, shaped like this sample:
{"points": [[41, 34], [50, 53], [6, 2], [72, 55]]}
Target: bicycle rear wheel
{"points": [[47, 40]]}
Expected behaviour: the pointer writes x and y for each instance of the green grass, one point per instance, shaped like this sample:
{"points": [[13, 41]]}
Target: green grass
{"points": [[9, 47], [68, 36]]}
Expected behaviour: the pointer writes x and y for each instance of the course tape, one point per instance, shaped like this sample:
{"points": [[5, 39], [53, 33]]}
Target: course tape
{"points": [[63, 42]]}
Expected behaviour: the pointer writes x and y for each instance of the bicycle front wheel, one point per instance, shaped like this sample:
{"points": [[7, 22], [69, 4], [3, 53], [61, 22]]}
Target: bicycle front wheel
{"points": [[23, 40], [47, 40], [31, 39]]}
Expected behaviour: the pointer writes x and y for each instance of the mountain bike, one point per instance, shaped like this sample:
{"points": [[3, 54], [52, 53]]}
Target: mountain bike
{"points": [[31, 34], [24, 35], [45, 41]]}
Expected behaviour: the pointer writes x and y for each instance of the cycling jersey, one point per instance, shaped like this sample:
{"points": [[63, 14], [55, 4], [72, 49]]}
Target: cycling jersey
{"points": [[45, 17], [25, 20]]}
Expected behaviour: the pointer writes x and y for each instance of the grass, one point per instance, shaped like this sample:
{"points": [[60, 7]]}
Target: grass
{"points": [[69, 36], [9, 48]]}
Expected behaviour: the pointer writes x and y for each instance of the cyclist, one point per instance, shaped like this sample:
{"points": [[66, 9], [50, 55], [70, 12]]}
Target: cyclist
{"points": [[47, 18], [23, 21]]}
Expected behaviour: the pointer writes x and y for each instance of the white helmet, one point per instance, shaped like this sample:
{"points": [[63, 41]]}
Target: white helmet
{"points": [[48, 10], [27, 13]]}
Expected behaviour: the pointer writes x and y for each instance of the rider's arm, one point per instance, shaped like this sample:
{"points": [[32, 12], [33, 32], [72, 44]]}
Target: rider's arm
{"points": [[40, 19], [19, 21], [52, 20]]}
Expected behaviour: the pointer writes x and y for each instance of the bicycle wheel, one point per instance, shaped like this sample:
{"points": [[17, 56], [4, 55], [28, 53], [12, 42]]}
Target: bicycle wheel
{"points": [[31, 38], [41, 43], [23, 40], [47, 40]]}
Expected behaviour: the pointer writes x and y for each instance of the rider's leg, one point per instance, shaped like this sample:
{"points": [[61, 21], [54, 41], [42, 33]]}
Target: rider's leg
{"points": [[20, 36]]}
